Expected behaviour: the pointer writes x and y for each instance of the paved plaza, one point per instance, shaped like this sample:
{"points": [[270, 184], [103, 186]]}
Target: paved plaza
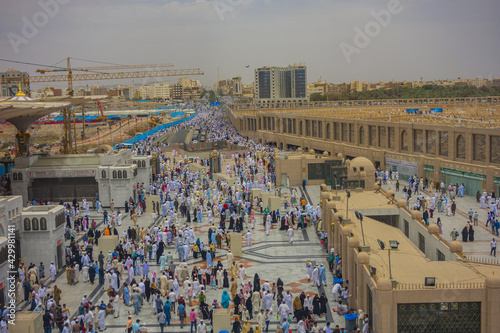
{"points": [[271, 257]]}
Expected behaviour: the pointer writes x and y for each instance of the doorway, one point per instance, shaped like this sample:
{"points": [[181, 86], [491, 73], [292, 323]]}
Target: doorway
{"points": [[283, 179], [59, 256]]}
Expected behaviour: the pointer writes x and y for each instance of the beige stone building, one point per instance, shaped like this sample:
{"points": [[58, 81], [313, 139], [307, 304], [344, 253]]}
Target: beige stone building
{"points": [[459, 145], [403, 274]]}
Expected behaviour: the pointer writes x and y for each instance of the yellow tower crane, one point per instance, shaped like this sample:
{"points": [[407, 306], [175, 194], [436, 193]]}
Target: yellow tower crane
{"points": [[156, 71]]}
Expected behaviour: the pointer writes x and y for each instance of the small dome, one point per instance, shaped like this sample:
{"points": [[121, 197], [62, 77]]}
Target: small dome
{"points": [[363, 258], [339, 155], [416, 215], [384, 284], [323, 188], [390, 193], [336, 216], [311, 151], [493, 281], [363, 162], [214, 151], [345, 231], [324, 195], [326, 154], [376, 186], [299, 150], [433, 229], [456, 247], [353, 242], [401, 203], [332, 205]]}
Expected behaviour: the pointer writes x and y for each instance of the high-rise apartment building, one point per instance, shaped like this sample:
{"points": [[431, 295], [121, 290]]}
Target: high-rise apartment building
{"points": [[274, 84], [9, 82]]}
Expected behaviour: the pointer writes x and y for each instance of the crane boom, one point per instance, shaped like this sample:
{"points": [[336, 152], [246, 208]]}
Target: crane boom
{"points": [[107, 76], [108, 68]]}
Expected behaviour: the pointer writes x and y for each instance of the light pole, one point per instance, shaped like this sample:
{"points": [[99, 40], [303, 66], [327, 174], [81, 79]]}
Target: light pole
{"points": [[348, 194], [336, 188]]}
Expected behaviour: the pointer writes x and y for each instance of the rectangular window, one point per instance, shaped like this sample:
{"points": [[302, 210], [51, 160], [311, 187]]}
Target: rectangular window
{"points": [[421, 242], [407, 229], [440, 256]]}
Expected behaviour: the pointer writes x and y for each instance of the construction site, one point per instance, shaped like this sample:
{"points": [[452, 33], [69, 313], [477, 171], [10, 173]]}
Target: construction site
{"points": [[76, 124]]}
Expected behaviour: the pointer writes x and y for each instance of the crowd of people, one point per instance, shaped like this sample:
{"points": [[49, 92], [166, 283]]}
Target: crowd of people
{"points": [[188, 199]]}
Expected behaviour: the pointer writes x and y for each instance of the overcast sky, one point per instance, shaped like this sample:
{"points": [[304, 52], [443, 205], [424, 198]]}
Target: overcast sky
{"points": [[433, 39]]}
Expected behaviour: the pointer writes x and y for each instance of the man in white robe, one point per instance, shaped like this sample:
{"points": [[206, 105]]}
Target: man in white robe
{"points": [[248, 235], [268, 224], [53, 271], [114, 281], [241, 274], [290, 233], [283, 310], [102, 319], [116, 306], [85, 273], [315, 276]]}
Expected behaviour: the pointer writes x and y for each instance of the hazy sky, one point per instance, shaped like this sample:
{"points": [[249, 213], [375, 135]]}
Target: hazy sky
{"points": [[433, 39]]}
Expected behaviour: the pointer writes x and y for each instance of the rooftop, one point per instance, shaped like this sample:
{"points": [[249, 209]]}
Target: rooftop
{"points": [[473, 116], [409, 265], [67, 160]]}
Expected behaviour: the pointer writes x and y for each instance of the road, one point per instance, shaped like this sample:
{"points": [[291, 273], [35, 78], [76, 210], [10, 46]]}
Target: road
{"points": [[180, 136]]}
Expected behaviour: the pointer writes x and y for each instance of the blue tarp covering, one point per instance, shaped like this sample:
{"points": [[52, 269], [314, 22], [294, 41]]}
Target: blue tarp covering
{"points": [[411, 110], [2, 169], [143, 136], [214, 103], [437, 110]]}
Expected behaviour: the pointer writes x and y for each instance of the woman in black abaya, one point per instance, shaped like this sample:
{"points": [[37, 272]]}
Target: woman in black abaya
{"points": [[256, 282]]}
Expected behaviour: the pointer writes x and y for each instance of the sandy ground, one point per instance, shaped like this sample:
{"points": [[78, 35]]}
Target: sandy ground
{"points": [[51, 135]]}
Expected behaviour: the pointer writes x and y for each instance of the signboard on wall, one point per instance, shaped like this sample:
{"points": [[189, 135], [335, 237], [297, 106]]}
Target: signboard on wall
{"points": [[316, 171], [404, 167]]}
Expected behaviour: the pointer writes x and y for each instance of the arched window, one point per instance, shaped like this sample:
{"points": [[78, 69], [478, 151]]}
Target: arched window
{"points": [[143, 164], [34, 224], [362, 135], [103, 174], [115, 175], [460, 147], [14, 176], [43, 224], [328, 132], [404, 141], [27, 224], [300, 127], [20, 176], [124, 174], [119, 174]]}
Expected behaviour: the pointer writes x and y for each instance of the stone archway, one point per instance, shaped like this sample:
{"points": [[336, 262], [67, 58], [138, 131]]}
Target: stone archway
{"points": [[460, 147], [404, 140]]}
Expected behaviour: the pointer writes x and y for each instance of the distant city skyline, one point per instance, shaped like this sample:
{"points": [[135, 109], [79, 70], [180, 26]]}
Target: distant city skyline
{"points": [[339, 41]]}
